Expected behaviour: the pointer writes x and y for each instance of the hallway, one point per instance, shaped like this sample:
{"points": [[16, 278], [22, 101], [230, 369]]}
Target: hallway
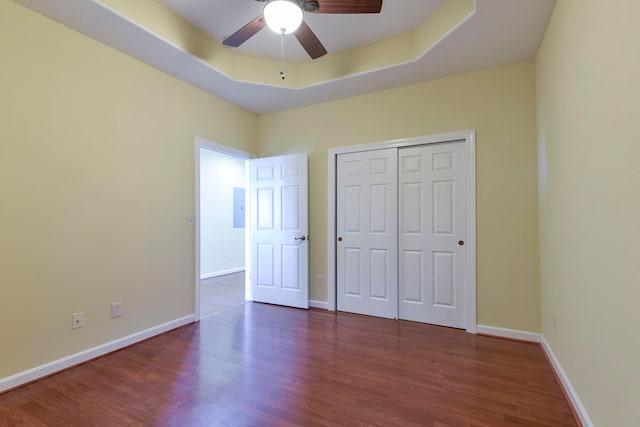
{"points": [[221, 293]]}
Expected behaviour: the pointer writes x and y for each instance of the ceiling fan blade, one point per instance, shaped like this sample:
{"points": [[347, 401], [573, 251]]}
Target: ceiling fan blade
{"points": [[245, 33], [349, 6], [309, 41]]}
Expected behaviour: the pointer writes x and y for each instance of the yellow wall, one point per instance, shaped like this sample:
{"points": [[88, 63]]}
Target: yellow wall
{"points": [[96, 181], [500, 104], [588, 71]]}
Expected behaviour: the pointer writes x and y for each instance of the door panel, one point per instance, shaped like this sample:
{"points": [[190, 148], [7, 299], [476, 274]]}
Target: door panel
{"points": [[379, 262], [279, 218], [353, 279], [412, 267], [443, 279], [264, 207], [367, 273], [432, 202], [443, 209]]}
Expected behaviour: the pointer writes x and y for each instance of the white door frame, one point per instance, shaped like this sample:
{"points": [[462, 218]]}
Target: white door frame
{"points": [[230, 151], [469, 137]]}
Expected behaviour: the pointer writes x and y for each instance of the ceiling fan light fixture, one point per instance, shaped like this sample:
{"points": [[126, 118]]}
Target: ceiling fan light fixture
{"points": [[283, 16]]}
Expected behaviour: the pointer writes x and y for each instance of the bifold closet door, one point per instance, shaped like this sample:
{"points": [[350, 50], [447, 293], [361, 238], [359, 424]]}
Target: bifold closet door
{"points": [[431, 202], [367, 233]]}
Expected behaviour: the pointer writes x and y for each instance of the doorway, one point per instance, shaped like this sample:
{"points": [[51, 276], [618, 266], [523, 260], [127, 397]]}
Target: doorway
{"points": [[221, 219], [370, 267], [276, 240]]}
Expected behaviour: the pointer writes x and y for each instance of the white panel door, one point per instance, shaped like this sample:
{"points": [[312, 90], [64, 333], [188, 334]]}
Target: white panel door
{"points": [[431, 180], [367, 274], [279, 230]]}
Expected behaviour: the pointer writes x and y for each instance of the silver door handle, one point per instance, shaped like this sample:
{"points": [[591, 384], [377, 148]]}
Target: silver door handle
{"points": [[303, 238]]}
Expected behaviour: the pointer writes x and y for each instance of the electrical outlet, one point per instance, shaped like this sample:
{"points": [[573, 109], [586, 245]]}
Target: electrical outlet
{"points": [[554, 323], [116, 309], [320, 281], [77, 320]]}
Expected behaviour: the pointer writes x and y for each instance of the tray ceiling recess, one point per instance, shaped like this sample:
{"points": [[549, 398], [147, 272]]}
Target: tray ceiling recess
{"points": [[409, 41]]}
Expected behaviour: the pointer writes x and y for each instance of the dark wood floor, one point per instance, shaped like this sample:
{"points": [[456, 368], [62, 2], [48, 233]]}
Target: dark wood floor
{"points": [[261, 365]]}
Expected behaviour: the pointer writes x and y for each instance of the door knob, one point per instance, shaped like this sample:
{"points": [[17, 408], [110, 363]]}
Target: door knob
{"points": [[339, 239], [303, 238], [461, 242]]}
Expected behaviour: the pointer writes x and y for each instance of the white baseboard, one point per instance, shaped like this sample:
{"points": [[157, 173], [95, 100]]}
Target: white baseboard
{"points": [[318, 304], [566, 384], [513, 334], [221, 273], [75, 359]]}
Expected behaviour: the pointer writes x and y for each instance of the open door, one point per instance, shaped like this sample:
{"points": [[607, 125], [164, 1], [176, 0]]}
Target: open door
{"points": [[280, 230]]}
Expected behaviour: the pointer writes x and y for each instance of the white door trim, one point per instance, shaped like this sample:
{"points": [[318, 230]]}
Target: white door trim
{"points": [[470, 138], [214, 146]]}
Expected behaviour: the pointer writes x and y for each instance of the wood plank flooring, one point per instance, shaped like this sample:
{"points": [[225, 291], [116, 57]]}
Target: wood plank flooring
{"points": [[262, 365]]}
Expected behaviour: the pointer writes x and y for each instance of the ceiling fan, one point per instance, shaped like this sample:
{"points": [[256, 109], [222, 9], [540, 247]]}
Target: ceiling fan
{"points": [[303, 33]]}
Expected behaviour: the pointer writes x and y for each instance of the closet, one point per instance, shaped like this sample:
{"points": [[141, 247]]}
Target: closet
{"points": [[401, 224]]}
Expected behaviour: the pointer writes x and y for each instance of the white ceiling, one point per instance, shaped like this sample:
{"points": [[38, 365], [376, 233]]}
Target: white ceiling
{"points": [[498, 32], [337, 32]]}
